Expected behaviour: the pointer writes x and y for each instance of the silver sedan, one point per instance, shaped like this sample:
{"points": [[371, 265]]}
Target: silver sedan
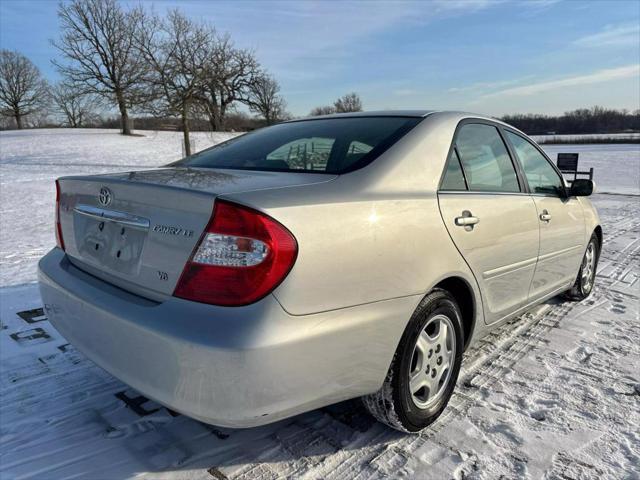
{"points": [[315, 261]]}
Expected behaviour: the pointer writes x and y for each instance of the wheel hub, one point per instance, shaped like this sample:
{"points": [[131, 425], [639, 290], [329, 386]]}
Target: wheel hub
{"points": [[432, 361]]}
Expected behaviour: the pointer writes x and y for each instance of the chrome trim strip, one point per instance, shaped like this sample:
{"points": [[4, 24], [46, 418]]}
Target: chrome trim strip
{"points": [[473, 192], [557, 253], [496, 272], [121, 218], [480, 192]]}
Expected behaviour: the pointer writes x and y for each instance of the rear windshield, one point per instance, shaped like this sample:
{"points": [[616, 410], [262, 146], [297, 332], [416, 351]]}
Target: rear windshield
{"points": [[332, 145]]}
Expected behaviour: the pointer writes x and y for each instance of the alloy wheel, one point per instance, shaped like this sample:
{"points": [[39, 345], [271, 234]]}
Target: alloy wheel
{"points": [[588, 268], [432, 361]]}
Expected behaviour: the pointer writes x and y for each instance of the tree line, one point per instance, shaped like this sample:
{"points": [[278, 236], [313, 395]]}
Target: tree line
{"points": [[580, 121]]}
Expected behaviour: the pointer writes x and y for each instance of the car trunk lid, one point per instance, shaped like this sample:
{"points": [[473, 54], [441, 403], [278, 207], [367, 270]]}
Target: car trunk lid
{"points": [[137, 230]]}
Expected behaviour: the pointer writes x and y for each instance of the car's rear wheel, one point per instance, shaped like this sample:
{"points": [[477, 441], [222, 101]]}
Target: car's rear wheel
{"points": [[425, 367], [583, 285]]}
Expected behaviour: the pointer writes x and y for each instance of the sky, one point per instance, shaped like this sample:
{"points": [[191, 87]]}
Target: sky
{"points": [[493, 57]]}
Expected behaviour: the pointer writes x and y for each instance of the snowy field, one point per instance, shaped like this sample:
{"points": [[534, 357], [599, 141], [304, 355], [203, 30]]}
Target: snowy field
{"points": [[616, 166], [587, 138], [553, 394]]}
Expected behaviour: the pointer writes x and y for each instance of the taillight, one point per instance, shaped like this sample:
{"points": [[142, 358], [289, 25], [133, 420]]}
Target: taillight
{"points": [[59, 239], [241, 257]]}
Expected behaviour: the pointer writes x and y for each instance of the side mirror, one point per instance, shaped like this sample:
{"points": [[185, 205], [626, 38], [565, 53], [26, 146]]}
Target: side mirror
{"points": [[581, 187]]}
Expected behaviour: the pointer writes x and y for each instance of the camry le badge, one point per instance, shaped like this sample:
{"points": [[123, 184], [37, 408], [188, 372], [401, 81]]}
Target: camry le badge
{"points": [[169, 230]]}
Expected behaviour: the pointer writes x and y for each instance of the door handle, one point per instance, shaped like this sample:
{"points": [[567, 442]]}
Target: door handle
{"points": [[545, 216], [466, 220]]}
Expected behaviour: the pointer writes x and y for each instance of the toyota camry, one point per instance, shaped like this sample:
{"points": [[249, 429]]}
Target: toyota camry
{"points": [[314, 261]]}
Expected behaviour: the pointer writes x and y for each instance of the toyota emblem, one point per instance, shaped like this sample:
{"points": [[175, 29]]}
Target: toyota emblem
{"points": [[105, 196]]}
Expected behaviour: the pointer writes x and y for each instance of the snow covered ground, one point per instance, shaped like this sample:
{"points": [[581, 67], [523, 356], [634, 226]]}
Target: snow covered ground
{"points": [[553, 394]]}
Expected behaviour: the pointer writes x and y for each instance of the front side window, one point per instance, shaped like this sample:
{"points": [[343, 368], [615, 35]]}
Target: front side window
{"points": [[485, 159], [541, 176], [330, 145]]}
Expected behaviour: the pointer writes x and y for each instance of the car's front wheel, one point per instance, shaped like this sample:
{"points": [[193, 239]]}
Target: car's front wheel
{"points": [[583, 285], [425, 367]]}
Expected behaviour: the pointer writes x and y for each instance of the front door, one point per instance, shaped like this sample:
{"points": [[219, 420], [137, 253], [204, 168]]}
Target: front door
{"points": [[491, 219], [562, 227]]}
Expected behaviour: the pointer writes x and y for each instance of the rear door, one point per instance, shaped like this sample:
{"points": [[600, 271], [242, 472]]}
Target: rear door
{"points": [[490, 217], [561, 219]]}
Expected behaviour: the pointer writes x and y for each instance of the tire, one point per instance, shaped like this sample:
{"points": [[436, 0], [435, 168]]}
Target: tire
{"points": [[422, 345], [583, 286]]}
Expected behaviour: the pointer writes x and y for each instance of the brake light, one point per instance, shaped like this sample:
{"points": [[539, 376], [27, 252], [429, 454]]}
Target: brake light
{"points": [[59, 239], [242, 256]]}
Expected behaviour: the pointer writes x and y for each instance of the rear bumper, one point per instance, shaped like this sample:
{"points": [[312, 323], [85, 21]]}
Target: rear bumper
{"points": [[234, 367]]}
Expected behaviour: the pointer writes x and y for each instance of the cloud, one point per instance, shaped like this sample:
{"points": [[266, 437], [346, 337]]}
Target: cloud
{"points": [[533, 8], [618, 35], [484, 86], [598, 76], [285, 32]]}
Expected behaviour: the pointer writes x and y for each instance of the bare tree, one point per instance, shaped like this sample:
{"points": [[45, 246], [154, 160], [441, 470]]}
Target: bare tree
{"points": [[23, 91], [177, 50], [77, 109], [230, 74], [348, 103], [324, 110], [97, 41], [265, 100]]}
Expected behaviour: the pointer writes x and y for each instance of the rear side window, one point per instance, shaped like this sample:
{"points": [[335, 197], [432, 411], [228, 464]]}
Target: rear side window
{"points": [[453, 177], [541, 176], [329, 145], [485, 159]]}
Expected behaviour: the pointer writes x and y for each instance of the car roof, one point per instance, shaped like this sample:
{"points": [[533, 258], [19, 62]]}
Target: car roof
{"points": [[398, 113], [375, 113], [443, 114], [460, 115]]}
